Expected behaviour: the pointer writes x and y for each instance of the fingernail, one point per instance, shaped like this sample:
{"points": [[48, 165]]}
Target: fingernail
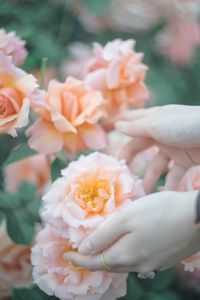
{"points": [[85, 248]]}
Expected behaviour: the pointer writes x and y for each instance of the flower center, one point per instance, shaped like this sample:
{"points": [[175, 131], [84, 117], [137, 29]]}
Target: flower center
{"points": [[3, 109], [93, 196]]}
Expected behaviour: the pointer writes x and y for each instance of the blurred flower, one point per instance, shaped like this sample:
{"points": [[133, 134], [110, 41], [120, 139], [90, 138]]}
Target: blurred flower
{"points": [[75, 66], [134, 15], [34, 169], [117, 141], [180, 40], [117, 71], [188, 279], [17, 89], [191, 181], [13, 46], [89, 191], [15, 266], [55, 276], [69, 113]]}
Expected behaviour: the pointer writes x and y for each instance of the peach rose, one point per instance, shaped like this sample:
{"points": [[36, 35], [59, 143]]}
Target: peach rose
{"points": [[13, 46], [89, 191], [34, 169], [180, 40], [191, 181], [117, 71], [68, 113], [15, 265], [55, 276], [17, 89]]}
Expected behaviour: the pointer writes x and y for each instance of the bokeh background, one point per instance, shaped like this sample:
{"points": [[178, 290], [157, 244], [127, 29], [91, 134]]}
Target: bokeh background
{"points": [[59, 33]]}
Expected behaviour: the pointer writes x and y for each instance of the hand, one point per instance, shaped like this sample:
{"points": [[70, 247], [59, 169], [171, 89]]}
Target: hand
{"points": [[175, 129], [152, 233]]}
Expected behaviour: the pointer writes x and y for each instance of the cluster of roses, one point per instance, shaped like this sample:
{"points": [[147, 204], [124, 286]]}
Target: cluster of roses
{"points": [[73, 116], [76, 115]]}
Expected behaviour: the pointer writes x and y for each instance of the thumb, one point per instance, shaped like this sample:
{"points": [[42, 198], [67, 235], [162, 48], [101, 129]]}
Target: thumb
{"points": [[104, 236]]}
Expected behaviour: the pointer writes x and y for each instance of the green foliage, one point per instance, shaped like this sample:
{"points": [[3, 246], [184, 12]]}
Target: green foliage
{"points": [[56, 167], [22, 212], [97, 8], [33, 293], [20, 152]]}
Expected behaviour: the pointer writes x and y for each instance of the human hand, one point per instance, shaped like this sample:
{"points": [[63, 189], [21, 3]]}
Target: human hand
{"points": [[175, 129], [152, 233]]}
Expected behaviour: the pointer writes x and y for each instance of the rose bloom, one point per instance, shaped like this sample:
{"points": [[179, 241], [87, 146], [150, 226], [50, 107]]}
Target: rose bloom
{"points": [[17, 89], [180, 40], [15, 266], [89, 191], [117, 141], [68, 113], [80, 54], [117, 71], [191, 181], [34, 169], [56, 276], [13, 46]]}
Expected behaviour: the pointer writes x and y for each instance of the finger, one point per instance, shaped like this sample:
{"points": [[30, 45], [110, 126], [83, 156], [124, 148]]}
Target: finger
{"points": [[155, 169], [103, 237], [137, 113], [90, 262], [174, 177], [135, 128], [135, 146]]}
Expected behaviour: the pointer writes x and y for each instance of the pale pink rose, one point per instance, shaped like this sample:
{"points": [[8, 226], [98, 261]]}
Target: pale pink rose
{"points": [[34, 169], [117, 141], [69, 113], [56, 276], [191, 181], [118, 72], [80, 54], [88, 192], [15, 265], [180, 40], [13, 46], [17, 89]]}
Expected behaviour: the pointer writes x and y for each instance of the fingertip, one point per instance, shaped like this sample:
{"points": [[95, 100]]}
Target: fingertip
{"points": [[86, 248], [69, 256]]}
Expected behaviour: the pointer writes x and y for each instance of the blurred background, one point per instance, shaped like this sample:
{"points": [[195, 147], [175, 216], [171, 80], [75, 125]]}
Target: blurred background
{"points": [[61, 32]]}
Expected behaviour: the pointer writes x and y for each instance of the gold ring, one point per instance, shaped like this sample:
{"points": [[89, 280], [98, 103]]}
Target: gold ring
{"points": [[103, 260]]}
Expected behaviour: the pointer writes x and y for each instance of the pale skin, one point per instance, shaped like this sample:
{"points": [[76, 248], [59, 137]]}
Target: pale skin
{"points": [[158, 230]]}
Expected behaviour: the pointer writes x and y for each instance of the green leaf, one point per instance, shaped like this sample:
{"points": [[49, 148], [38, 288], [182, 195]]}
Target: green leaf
{"points": [[56, 167], [19, 227], [22, 212], [21, 152], [153, 296], [134, 289], [161, 281], [98, 8], [33, 293], [7, 143]]}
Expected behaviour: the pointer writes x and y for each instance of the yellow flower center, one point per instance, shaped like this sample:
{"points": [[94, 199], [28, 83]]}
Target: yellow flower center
{"points": [[93, 195]]}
